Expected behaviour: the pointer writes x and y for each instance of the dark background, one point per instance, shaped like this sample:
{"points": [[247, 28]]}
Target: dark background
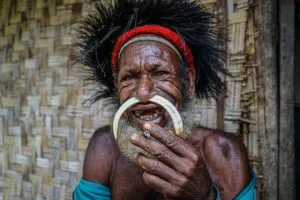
{"points": [[297, 95]]}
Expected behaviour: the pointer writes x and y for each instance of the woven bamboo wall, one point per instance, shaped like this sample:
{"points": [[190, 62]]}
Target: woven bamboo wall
{"points": [[241, 104], [44, 129]]}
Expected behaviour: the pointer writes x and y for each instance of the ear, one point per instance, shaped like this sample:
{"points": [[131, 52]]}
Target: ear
{"points": [[116, 81], [115, 76], [191, 84]]}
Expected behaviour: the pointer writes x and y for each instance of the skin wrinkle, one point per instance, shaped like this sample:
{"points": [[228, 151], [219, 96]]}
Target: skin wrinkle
{"points": [[183, 79]]}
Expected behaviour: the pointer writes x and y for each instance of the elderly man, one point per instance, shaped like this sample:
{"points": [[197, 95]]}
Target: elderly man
{"points": [[141, 49]]}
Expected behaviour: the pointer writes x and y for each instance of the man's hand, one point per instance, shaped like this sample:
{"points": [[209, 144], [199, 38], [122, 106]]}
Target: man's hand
{"points": [[177, 169]]}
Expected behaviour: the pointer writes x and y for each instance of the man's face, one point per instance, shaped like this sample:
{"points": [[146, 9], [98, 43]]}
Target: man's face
{"points": [[146, 69]]}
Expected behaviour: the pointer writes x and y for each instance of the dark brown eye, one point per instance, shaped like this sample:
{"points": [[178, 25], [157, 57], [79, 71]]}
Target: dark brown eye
{"points": [[129, 77], [160, 73]]}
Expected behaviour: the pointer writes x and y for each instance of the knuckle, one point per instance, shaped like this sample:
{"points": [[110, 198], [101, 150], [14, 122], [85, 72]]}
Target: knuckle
{"points": [[189, 170], [152, 179], [171, 141], [139, 160], [149, 179], [195, 158], [158, 133], [159, 151], [154, 167], [153, 148]]}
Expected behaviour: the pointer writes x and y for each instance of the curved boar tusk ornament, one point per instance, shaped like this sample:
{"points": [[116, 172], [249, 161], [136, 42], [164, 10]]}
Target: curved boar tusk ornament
{"points": [[168, 106]]}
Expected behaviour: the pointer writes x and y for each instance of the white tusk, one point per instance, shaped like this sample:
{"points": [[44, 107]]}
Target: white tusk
{"points": [[168, 106], [119, 113], [173, 112]]}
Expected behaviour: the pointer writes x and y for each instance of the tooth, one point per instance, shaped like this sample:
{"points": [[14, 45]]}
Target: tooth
{"points": [[173, 112]]}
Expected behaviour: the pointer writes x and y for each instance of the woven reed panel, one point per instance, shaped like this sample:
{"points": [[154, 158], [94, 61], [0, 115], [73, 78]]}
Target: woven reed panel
{"points": [[44, 129], [240, 116], [241, 112]]}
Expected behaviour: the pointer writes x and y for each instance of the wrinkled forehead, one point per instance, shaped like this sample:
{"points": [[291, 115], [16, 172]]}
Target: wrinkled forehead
{"points": [[147, 53]]}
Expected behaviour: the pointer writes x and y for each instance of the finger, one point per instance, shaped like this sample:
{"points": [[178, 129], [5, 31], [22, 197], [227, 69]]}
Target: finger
{"points": [[161, 152], [155, 167], [173, 142], [161, 185]]}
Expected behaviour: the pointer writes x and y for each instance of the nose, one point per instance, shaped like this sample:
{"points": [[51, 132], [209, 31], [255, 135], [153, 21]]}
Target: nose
{"points": [[145, 88]]}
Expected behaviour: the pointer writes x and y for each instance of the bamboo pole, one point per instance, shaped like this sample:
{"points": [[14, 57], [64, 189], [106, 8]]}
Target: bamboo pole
{"points": [[266, 45]]}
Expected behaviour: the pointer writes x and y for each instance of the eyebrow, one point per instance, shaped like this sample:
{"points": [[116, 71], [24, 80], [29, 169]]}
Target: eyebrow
{"points": [[130, 71], [133, 69]]}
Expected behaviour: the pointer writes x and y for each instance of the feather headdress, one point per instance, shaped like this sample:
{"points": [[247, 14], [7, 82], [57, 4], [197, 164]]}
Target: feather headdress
{"points": [[98, 32]]}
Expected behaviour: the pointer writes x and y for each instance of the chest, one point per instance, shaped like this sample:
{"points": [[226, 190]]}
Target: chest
{"points": [[128, 183]]}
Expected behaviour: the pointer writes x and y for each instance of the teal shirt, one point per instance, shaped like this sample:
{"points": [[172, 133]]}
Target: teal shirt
{"points": [[248, 193], [86, 190]]}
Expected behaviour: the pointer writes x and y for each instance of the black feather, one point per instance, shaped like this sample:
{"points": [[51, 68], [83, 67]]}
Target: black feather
{"points": [[106, 21]]}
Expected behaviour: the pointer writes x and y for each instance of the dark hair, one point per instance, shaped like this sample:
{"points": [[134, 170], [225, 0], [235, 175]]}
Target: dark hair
{"points": [[97, 32]]}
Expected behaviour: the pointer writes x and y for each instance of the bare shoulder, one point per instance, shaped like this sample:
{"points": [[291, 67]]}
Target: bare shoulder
{"points": [[217, 140], [101, 154]]}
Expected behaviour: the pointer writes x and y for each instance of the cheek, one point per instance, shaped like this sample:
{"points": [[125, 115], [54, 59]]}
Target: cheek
{"points": [[126, 91], [171, 90]]}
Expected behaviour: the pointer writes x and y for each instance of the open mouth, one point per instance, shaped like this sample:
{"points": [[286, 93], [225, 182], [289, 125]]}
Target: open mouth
{"points": [[156, 112], [149, 115]]}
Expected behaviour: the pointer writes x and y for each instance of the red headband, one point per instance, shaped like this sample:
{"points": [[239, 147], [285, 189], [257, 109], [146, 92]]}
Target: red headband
{"points": [[161, 31]]}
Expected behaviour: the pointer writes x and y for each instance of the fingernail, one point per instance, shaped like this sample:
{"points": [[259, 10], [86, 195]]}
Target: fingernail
{"points": [[135, 156], [146, 126], [134, 137]]}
